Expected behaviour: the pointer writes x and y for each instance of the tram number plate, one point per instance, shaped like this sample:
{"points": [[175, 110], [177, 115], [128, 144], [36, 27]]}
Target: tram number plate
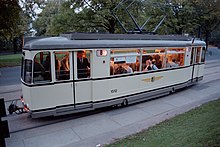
{"points": [[114, 90]]}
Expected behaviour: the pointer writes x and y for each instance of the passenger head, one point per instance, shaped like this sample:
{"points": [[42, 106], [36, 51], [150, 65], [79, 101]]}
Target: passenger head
{"points": [[80, 54], [48, 58], [153, 61], [149, 58], [157, 57]]}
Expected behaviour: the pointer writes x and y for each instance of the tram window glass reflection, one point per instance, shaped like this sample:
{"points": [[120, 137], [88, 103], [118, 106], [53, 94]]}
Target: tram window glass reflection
{"points": [[62, 65], [175, 57], [198, 54], [203, 55], [124, 61], [27, 71], [83, 64], [22, 68], [153, 59], [42, 70], [192, 56]]}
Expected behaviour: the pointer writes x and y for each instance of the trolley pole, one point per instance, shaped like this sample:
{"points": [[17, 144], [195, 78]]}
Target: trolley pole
{"points": [[3, 124]]}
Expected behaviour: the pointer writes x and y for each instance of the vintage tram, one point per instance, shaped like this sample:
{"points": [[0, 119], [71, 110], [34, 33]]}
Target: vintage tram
{"points": [[81, 72]]}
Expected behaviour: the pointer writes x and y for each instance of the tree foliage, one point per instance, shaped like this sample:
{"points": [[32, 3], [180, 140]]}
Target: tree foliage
{"points": [[9, 18], [207, 13], [194, 17], [42, 23]]}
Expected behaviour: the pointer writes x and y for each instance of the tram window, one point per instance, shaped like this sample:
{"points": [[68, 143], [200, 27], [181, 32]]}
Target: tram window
{"points": [[124, 61], [62, 65], [124, 51], [152, 62], [198, 54], [203, 55], [27, 71], [42, 70], [22, 68], [83, 64], [156, 50], [175, 58], [192, 56], [152, 59]]}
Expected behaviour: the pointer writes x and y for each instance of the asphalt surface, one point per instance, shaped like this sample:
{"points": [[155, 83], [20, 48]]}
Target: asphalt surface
{"points": [[10, 76]]}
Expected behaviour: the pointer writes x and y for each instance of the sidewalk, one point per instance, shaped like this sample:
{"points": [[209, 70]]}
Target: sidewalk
{"points": [[10, 88]]}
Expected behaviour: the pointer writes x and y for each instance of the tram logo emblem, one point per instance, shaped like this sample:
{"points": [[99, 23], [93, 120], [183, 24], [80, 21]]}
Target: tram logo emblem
{"points": [[152, 79]]}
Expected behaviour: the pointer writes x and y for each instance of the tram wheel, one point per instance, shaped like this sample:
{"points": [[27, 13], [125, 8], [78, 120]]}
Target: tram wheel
{"points": [[124, 103]]}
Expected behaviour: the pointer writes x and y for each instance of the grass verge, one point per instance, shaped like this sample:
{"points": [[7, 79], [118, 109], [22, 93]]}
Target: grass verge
{"points": [[198, 127], [10, 60]]}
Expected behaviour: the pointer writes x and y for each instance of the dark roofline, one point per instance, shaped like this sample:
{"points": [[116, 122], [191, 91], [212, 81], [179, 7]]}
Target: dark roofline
{"points": [[98, 36]]}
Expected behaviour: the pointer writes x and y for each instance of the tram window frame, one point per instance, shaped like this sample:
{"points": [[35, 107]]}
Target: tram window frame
{"points": [[62, 65], [86, 55], [150, 55], [124, 61], [27, 71], [39, 61]]}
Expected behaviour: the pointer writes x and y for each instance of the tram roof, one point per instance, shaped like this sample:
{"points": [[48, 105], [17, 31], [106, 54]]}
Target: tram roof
{"points": [[83, 43]]}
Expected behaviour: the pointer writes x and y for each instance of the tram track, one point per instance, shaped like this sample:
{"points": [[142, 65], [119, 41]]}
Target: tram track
{"points": [[19, 123]]}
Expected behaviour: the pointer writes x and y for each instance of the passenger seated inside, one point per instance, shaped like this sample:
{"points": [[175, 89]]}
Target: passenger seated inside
{"points": [[127, 68], [46, 65], [171, 63], [57, 67], [158, 62], [120, 70], [83, 65], [65, 69], [39, 71], [149, 65]]}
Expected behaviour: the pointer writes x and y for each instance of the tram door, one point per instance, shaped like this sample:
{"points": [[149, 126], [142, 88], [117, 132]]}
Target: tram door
{"points": [[195, 61], [82, 78]]}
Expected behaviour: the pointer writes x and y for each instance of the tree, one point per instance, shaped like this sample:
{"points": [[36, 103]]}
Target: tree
{"points": [[9, 18], [181, 16], [207, 15], [41, 24]]}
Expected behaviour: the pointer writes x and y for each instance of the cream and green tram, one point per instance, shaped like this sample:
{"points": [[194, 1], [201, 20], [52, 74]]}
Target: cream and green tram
{"points": [[62, 75]]}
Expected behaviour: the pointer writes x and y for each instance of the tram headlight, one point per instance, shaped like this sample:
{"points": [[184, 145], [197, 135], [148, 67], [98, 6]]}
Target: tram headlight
{"points": [[101, 53]]}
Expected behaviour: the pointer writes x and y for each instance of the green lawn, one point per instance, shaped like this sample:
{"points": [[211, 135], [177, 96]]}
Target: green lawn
{"points": [[10, 60], [199, 127]]}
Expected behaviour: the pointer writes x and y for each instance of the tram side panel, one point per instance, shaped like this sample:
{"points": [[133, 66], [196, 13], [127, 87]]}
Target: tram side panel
{"points": [[26, 93], [83, 92], [201, 70], [130, 85], [45, 97]]}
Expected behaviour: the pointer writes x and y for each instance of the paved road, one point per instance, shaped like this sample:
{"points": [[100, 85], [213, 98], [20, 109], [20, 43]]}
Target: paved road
{"points": [[10, 76]]}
